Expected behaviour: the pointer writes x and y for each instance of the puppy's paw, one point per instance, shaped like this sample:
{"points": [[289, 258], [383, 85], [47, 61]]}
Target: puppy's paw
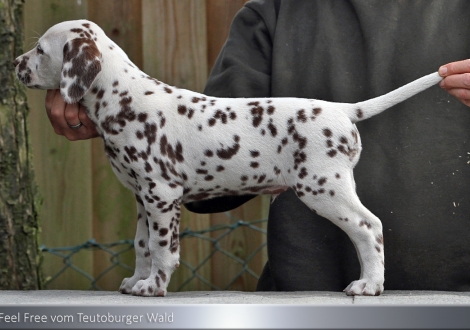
{"points": [[147, 288], [127, 284], [364, 287]]}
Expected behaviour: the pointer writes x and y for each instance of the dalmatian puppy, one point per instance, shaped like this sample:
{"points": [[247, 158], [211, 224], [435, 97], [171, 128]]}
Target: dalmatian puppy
{"points": [[171, 146]]}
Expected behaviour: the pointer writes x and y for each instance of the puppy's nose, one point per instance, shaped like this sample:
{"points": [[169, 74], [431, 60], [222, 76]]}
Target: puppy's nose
{"points": [[16, 62]]}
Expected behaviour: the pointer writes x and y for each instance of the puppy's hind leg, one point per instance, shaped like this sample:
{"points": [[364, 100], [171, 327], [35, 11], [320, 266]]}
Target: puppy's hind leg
{"points": [[340, 204]]}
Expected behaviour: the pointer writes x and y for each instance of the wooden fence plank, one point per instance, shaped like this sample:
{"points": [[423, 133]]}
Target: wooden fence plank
{"points": [[114, 211], [175, 43], [63, 169], [174, 49], [121, 20]]}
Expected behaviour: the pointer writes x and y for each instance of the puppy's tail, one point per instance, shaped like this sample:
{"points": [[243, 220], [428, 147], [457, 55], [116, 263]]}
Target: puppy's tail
{"points": [[366, 109]]}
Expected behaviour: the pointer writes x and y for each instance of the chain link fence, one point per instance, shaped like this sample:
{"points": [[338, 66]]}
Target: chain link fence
{"points": [[214, 237]]}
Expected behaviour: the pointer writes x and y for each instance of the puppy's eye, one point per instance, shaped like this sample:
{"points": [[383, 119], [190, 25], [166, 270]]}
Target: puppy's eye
{"points": [[39, 50]]}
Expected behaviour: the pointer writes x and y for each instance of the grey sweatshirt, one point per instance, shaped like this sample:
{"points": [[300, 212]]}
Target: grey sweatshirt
{"points": [[414, 172]]}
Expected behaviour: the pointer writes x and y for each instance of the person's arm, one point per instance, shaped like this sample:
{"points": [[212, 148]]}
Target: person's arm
{"points": [[243, 67]]}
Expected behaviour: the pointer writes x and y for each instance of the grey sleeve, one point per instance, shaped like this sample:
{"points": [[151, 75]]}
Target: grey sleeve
{"points": [[243, 68]]}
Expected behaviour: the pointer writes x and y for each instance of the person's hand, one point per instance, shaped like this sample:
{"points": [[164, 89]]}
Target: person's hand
{"points": [[65, 116], [457, 80]]}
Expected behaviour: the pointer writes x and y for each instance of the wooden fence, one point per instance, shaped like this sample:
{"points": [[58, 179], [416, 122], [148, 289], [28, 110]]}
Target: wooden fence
{"points": [[176, 41]]}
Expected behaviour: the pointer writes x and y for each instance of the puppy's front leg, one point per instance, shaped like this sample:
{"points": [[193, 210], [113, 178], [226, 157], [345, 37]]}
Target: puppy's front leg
{"points": [[164, 219], [143, 261]]}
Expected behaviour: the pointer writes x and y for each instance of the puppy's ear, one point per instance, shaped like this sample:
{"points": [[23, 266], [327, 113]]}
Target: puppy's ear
{"points": [[81, 65]]}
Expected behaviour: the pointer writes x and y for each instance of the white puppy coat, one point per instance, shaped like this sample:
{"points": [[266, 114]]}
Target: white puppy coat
{"points": [[172, 146]]}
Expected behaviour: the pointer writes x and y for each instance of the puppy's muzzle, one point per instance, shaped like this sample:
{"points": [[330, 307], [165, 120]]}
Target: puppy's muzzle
{"points": [[23, 72]]}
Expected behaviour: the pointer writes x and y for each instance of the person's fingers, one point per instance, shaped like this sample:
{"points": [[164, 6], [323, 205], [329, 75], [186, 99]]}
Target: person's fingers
{"points": [[50, 94], [63, 115], [55, 108], [86, 130], [71, 114], [71, 118], [89, 125], [455, 68], [458, 80]]}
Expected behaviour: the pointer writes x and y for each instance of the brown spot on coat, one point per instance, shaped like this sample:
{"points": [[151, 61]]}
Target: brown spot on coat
{"points": [[316, 111], [332, 153], [162, 275], [301, 117], [182, 109], [272, 128], [327, 132], [380, 239], [365, 223], [228, 153], [322, 181], [257, 113], [303, 173], [359, 113]]}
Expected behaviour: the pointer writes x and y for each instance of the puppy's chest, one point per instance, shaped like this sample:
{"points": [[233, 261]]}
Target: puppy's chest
{"points": [[140, 155]]}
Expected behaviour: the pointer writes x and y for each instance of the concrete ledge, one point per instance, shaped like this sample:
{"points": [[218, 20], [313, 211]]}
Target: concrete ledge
{"points": [[50, 309], [109, 298]]}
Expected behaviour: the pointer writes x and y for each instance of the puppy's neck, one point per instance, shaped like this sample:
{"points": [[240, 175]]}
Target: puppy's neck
{"points": [[119, 87]]}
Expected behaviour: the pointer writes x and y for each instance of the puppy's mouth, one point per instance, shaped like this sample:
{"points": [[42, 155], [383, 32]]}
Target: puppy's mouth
{"points": [[25, 79], [25, 76]]}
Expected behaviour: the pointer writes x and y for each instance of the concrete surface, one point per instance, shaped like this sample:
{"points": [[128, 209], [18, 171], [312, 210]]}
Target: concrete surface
{"points": [[109, 298]]}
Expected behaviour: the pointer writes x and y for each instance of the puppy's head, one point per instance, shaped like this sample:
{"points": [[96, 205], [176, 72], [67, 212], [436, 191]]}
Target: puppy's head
{"points": [[67, 57]]}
